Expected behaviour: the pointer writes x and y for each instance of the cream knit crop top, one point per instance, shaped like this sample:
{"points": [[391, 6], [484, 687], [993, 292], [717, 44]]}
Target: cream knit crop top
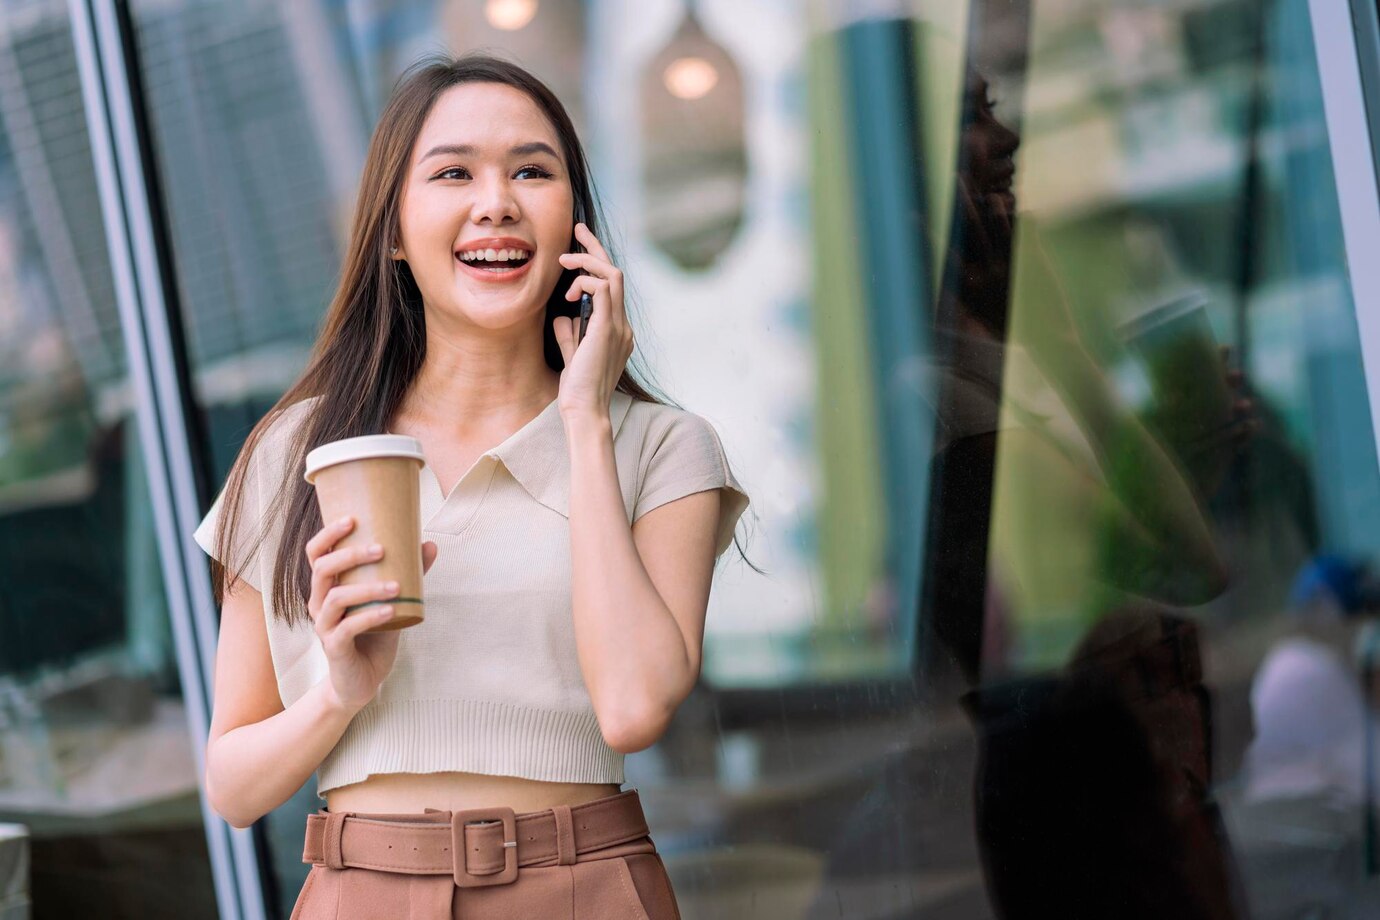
{"points": [[489, 683]]}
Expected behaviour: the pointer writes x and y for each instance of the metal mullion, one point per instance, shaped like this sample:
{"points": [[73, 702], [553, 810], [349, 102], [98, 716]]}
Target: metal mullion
{"points": [[1344, 53]]}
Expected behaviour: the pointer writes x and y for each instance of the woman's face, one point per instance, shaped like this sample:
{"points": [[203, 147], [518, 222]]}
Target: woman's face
{"points": [[486, 165]]}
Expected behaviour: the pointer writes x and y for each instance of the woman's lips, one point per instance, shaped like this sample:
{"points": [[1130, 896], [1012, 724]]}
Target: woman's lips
{"points": [[485, 274]]}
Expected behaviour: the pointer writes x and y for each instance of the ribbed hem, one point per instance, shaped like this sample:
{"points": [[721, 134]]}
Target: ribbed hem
{"points": [[478, 736]]}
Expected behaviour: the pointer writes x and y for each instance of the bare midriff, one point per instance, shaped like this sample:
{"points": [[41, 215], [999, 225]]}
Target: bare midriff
{"points": [[397, 793]]}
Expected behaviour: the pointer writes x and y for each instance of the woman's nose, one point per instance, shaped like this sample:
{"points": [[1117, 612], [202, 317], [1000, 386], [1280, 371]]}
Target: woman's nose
{"points": [[1006, 140], [494, 202]]}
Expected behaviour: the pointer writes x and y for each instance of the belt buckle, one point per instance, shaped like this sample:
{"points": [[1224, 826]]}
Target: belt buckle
{"points": [[465, 816]]}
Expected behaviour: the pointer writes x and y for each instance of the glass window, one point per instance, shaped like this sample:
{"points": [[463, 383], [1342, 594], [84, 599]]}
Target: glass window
{"points": [[1028, 328], [96, 762]]}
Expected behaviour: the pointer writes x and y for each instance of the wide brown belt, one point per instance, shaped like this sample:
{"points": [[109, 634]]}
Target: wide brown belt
{"points": [[494, 841]]}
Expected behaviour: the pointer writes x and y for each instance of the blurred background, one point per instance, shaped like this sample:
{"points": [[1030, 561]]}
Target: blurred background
{"points": [[1035, 328]]}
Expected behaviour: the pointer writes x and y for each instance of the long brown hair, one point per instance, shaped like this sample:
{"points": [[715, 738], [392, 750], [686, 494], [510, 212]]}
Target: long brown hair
{"points": [[373, 341]]}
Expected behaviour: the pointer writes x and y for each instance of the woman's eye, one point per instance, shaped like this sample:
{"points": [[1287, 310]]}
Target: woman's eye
{"points": [[443, 174]]}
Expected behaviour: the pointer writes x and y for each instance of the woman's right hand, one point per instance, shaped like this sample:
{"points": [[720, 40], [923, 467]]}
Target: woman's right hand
{"points": [[358, 661]]}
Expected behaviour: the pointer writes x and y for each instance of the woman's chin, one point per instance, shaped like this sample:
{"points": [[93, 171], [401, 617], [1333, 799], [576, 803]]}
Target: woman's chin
{"points": [[493, 309]]}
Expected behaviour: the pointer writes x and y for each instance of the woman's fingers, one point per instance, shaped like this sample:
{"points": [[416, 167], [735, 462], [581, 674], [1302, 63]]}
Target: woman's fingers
{"points": [[596, 261], [594, 285], [317, 546], [563, 328], [608, 308], [596, 266], [429, 551], [590, 241], [326, 568], [602, 315], [328, 536], [337, 561], [362, 621], [341, 597]]}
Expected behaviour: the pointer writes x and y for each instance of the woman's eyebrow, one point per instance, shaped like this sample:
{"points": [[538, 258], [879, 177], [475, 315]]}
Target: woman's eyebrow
{"points": [[463, 150]]}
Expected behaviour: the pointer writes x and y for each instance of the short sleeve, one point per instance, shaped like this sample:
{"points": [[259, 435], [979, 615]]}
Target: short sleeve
{"points": [[688, 457], [207, 534], [263, 482]]}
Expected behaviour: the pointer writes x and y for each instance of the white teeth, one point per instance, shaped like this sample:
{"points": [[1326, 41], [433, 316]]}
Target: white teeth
{"points": [[493, 255]]}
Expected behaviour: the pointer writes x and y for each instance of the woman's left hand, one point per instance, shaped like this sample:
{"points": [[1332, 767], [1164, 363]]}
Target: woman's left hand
{"points": [[593, 368]]}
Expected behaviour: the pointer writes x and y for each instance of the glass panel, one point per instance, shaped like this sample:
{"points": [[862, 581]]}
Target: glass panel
{"points": [[1166, 655], [1061, 602], [96, 761]]}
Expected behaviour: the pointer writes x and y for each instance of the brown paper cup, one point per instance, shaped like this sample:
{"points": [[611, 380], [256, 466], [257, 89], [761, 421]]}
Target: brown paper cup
{"points": [[374, 479]]}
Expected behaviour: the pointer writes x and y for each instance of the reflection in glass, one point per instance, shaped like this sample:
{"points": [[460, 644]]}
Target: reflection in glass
{"points": [[95, 757], [694, 158], [1131, 626]]}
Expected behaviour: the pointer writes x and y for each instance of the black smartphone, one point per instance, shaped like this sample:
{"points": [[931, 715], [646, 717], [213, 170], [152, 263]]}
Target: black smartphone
{"points": [[586, 301], [586, 308]]}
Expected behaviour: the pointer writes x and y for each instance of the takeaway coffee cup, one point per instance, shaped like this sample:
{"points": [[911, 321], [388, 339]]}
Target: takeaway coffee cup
{"points": [[374, 479], [1179, 352]]}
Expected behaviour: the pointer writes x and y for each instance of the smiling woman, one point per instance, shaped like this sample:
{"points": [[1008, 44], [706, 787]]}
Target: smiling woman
{"points": [[570, 523]]}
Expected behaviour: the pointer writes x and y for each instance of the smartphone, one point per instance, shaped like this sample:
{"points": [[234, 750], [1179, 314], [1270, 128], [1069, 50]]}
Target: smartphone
{"points": [[586, 308], [586, 301]]}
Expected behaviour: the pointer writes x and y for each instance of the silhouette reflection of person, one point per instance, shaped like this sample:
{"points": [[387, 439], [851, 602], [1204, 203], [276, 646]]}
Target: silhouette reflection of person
{"points": [[1092, 781], [1109, 482], [1092, 785]]}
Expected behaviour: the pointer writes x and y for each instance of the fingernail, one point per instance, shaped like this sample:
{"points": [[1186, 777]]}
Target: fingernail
{"points": [[375, 548], [390, 586], [344, 520]]}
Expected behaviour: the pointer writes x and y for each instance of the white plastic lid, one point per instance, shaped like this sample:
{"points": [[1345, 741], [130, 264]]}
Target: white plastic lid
{"points": [[369, 445]]}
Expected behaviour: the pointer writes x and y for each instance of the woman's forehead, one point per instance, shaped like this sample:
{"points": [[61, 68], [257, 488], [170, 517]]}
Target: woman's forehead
{"points": [[491, 117]]}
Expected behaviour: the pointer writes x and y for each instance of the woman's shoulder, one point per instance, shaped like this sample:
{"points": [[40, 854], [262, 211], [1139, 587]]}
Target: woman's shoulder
{"points": [[652, 417], [653, 424], [271, 452], [282, 422]]}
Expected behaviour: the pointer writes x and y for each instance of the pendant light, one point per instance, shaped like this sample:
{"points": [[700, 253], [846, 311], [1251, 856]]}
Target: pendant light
{"points": [[694, 163]]}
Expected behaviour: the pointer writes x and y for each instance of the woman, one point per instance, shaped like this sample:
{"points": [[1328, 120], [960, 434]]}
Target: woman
{"points": [[471, 765]]}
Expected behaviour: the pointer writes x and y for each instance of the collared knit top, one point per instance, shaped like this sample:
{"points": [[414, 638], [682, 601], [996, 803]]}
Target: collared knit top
{"points": [[489, 682]]}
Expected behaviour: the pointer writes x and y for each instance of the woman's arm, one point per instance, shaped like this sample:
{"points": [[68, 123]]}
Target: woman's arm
{"points": [[259, 753], [638, 639], [1152, 503]]}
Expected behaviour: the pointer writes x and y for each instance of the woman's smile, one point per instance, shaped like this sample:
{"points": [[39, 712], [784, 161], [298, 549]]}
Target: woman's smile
{"points": [[496, 259]]}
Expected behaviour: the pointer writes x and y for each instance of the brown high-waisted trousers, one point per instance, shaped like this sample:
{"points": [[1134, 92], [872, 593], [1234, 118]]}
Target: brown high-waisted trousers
{"points": [[593, 861]]}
